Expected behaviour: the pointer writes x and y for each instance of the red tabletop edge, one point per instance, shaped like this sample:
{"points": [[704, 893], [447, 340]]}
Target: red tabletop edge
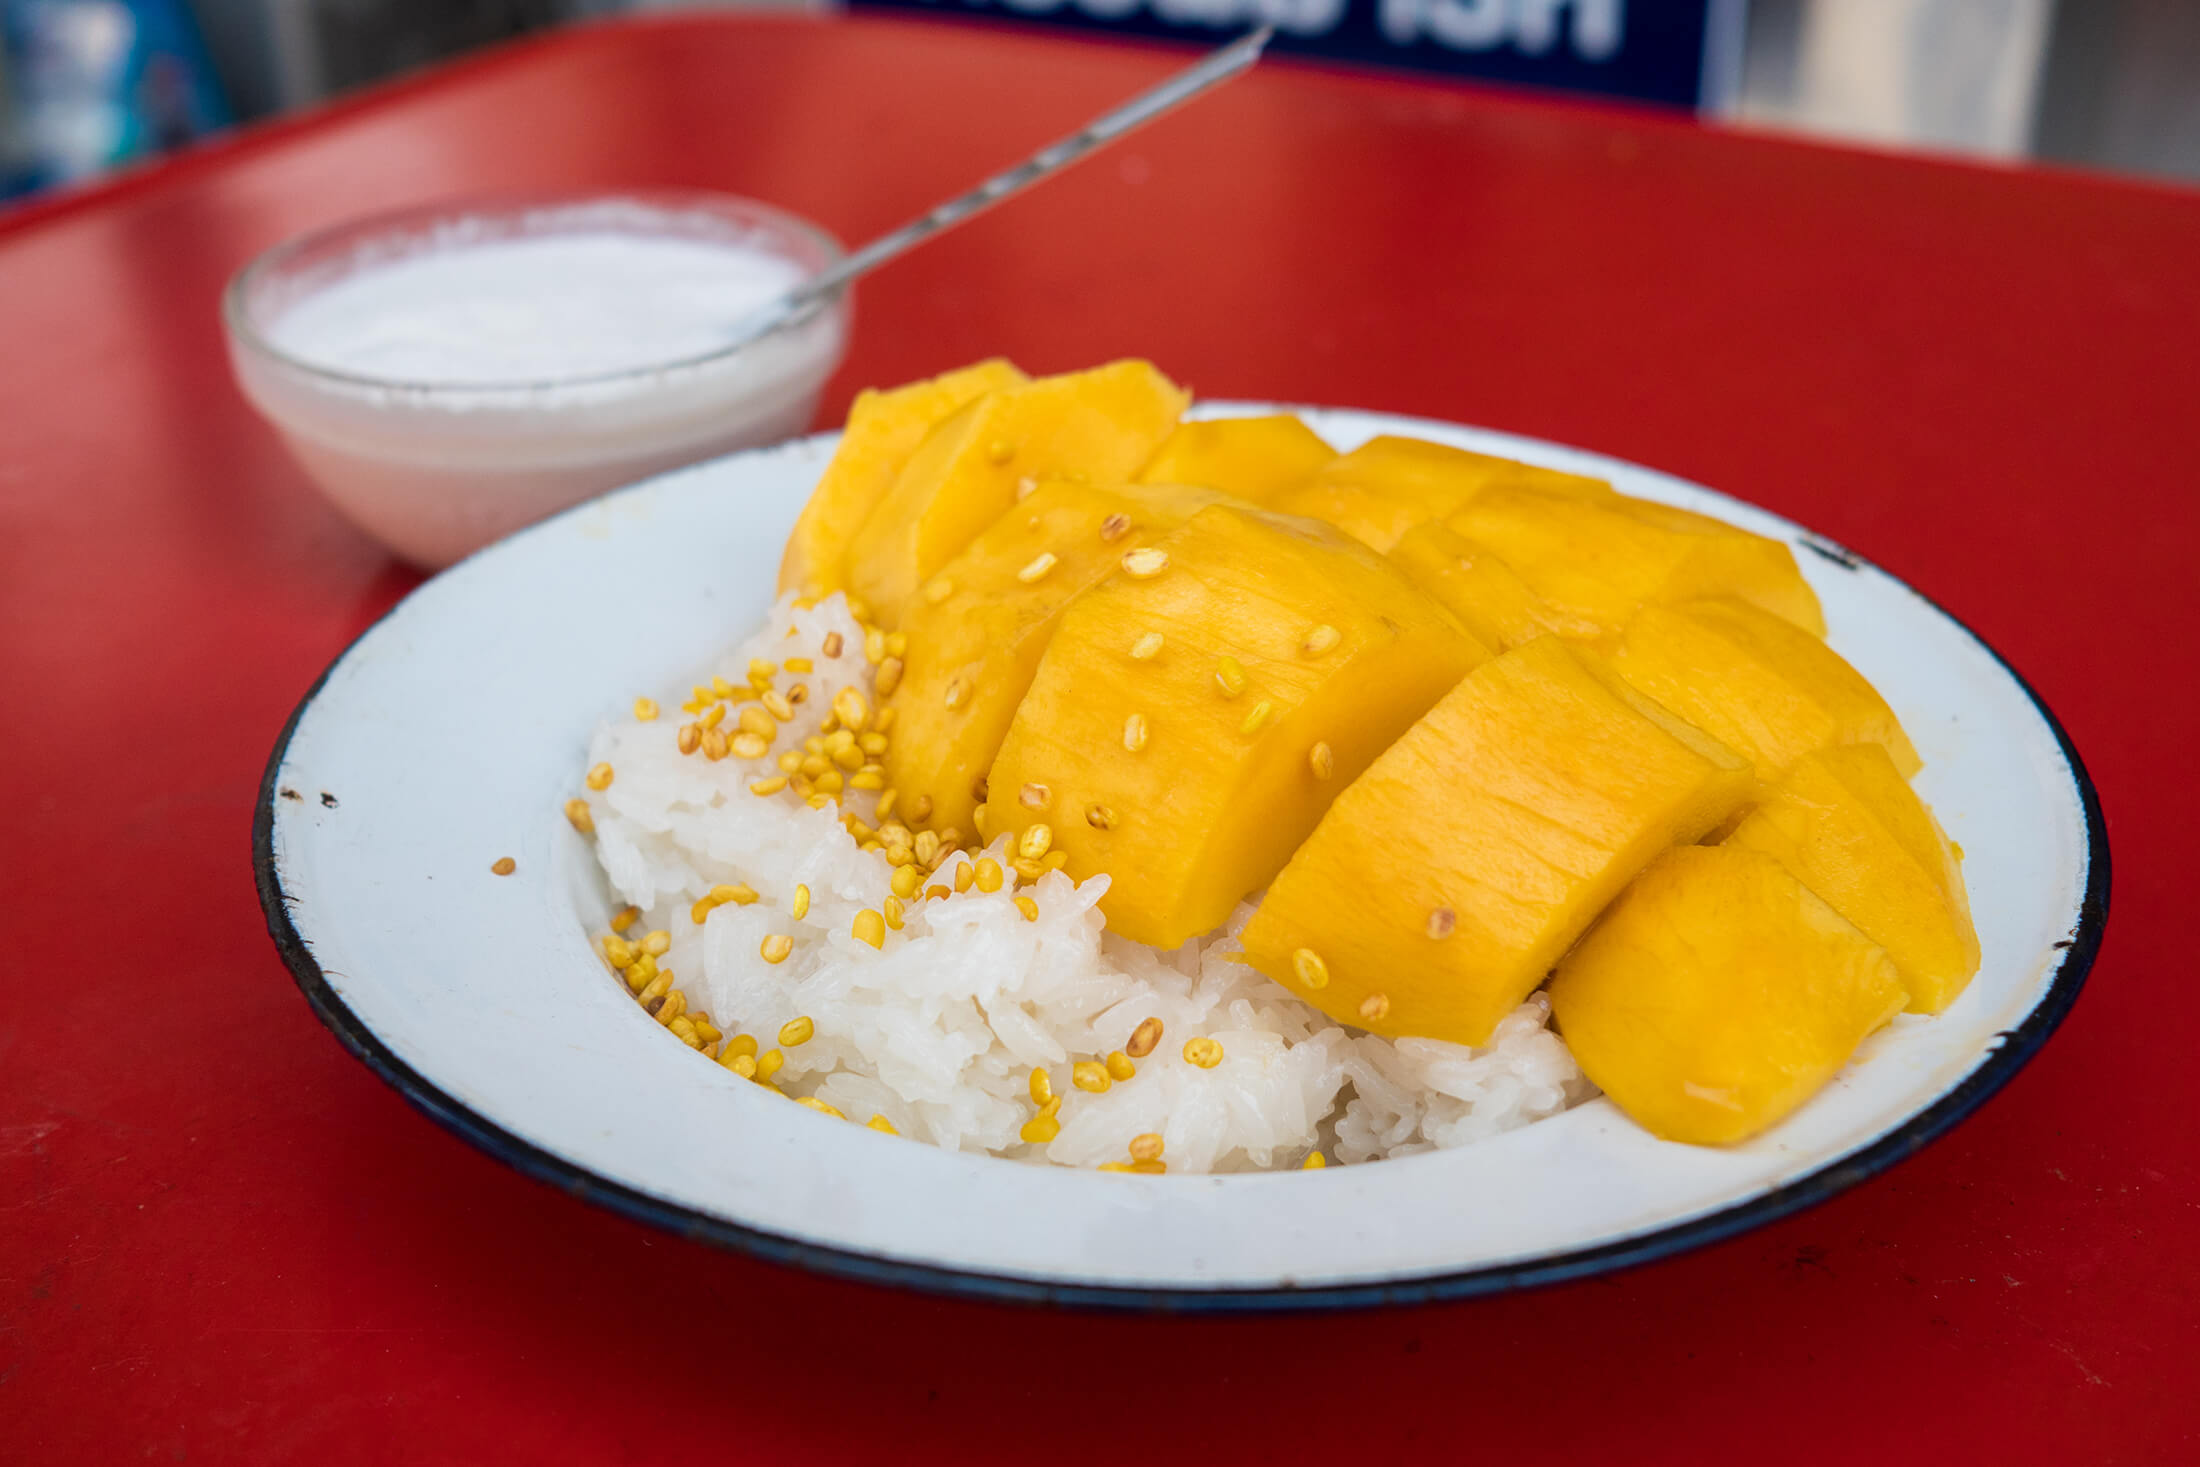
{"points": [[222, 1239]]}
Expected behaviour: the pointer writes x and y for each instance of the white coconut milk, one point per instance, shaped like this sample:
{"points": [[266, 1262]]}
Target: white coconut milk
{"points": [[447, 387]]}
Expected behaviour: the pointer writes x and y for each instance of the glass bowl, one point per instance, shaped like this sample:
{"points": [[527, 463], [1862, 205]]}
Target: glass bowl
{"points": [[435, 470]]}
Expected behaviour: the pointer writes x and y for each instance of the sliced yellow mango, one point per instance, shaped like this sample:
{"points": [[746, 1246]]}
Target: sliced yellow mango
{"points": [[972, 653], [1486, 594], [1852, 830], [1195, 713], [1444, 883], [1388, 485], [1756, 683], [883, 429], [1253, 458], [1606, 558], [1718, 994], [1098, 426]]}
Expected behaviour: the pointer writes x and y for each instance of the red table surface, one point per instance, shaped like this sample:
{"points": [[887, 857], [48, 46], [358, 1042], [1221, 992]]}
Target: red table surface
{"points": [[222, 1239]]}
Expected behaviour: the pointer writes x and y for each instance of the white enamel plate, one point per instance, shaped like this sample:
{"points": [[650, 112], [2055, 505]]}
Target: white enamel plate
{"points": [[450, 734]]}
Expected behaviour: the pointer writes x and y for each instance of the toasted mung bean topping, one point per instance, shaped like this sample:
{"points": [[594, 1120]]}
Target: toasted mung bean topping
{"points": [[797, 1031], [988, 874], [1114, 528], [1442, 922], [1035, 841], [1314, 1162], [1100, 817], [1041, 1086], [800, 906], [1144, 1037], [625, 917], [870, 927], [1203, 1052], [1090, 1076], [776, 947], [1028, 907], [577, 812], [1120, 1065], [1034, 796], [1375, 1007], [1145, 563], [1146, 1147], [880, 1123], [1310, 968], [504, 866], [832, 644]]}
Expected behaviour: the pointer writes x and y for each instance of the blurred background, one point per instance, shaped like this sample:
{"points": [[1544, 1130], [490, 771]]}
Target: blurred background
{"points": [[2114, 85]]}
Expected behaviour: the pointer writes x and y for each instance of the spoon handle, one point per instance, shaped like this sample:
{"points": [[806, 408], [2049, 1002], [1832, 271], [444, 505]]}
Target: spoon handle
{"points": [[1212, 70]]}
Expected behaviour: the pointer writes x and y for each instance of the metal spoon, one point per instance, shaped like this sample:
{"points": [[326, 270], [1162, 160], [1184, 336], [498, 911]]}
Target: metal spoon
{"points": [[1210, 71]]}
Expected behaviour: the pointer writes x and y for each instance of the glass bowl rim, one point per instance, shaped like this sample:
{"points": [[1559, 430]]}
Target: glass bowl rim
{"points": [[237, 316]]}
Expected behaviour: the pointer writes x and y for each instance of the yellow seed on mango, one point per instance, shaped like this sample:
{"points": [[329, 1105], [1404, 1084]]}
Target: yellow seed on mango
{"points": [[1311, 971]]}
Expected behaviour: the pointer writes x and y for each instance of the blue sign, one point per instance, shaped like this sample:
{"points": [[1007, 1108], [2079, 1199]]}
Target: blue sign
{"points": [[1681, 52]]}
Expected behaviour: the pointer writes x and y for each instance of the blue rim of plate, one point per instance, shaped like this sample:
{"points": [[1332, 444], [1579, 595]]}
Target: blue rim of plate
{"points": [[2015, 1049]]}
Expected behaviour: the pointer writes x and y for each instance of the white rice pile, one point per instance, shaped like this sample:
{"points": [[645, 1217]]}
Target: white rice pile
{"points": [[939, 1030]]}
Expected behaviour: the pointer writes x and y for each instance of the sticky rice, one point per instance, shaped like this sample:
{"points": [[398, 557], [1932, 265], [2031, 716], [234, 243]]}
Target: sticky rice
{"points": [[938, 1031]]}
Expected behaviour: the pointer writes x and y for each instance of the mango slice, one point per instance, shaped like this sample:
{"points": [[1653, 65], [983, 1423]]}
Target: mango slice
{"points": [[1195, 713], [883, 429], [1606, 558], [1487, 595], [1848, 826], [1444, 883], [1756, 683], [1718, 994], [1098, 426], [1388, 485], [1254, 459], [972, 653]]}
